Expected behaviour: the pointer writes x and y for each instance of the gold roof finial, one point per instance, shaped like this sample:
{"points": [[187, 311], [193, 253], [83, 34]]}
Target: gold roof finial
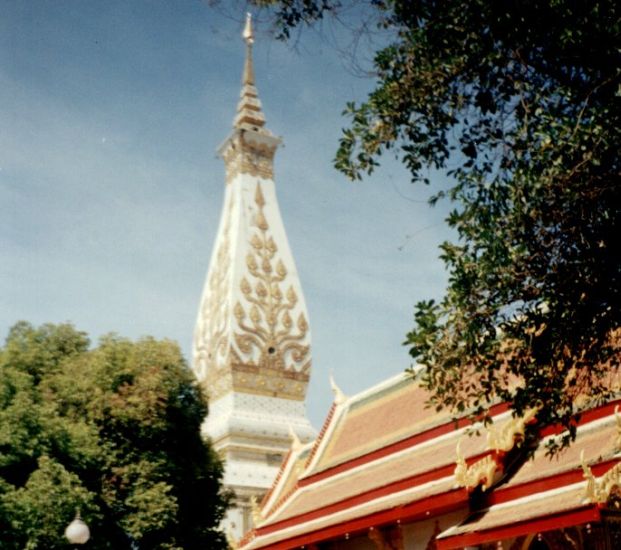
{"points": [[339, 396], [296, 444], [248, 36]]}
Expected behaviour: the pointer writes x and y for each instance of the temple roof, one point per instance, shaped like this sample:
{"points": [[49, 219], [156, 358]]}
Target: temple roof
{"points": [[549, 491], [383, 457]]}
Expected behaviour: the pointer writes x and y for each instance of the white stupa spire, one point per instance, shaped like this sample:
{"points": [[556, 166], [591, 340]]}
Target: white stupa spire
{"points": [[251, 348]]}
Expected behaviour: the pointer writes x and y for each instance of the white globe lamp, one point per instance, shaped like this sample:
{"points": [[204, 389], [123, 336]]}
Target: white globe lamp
{"points": [[77, 532]]}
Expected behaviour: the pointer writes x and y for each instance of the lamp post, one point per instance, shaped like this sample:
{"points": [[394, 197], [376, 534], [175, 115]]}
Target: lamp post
{"points": [[77, 532]]}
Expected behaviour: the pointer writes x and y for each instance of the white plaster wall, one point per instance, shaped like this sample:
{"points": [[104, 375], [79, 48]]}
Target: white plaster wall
{"points": [[257, 416]]}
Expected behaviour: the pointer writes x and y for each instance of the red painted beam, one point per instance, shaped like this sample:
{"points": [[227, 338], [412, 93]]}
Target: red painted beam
{"points": [[585, 417], [554, 481], [361, 498], [429, 507]]}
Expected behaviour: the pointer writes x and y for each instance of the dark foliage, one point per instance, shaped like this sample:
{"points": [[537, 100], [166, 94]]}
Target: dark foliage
{"points": [[519, 102]]}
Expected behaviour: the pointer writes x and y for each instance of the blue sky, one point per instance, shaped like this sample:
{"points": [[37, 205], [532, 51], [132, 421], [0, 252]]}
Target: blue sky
{"points": [[110, 115]]}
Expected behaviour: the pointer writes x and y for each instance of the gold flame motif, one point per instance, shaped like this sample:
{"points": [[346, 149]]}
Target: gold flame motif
{"points": [[245, 156], [267, 321], [212, 350]]}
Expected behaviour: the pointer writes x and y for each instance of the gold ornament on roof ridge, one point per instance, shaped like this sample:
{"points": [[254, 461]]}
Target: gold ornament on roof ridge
{"points": [[511, 433], [296, 444], [600, 490], [483, 470], [339, 396], [257, 515]]}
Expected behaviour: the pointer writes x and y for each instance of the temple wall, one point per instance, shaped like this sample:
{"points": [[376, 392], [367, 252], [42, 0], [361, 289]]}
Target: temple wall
{"points": [[416, 536]]}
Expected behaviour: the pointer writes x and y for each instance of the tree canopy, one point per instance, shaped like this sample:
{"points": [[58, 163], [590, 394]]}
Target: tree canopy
{"points": [[111, 431], [518, 104]]}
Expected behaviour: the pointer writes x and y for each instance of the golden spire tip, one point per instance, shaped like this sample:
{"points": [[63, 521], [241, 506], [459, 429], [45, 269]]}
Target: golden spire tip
{"points": [[248, 36], [248, 33]]}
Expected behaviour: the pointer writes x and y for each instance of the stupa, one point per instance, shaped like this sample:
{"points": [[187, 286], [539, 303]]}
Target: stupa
{"points": [[251, 349]]}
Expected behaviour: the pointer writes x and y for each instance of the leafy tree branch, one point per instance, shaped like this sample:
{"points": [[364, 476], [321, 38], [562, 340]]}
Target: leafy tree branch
{"points": [[519, 103]]}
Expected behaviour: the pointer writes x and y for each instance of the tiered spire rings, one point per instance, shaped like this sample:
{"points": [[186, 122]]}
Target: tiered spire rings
{"points": [[249, 113]]}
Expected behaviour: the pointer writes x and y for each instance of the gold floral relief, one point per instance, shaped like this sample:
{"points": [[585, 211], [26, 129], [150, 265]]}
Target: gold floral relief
{"points": [[248, 157], [248, 377], [267, 316], [212, 348]]}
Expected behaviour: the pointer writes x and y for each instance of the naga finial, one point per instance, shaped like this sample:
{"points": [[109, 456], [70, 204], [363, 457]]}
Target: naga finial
{"points": [[296, 444], [339, 396]]}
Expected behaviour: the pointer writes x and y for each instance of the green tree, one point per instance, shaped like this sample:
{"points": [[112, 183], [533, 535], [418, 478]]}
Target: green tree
{"points": [[112, 431], [518, 103]]}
